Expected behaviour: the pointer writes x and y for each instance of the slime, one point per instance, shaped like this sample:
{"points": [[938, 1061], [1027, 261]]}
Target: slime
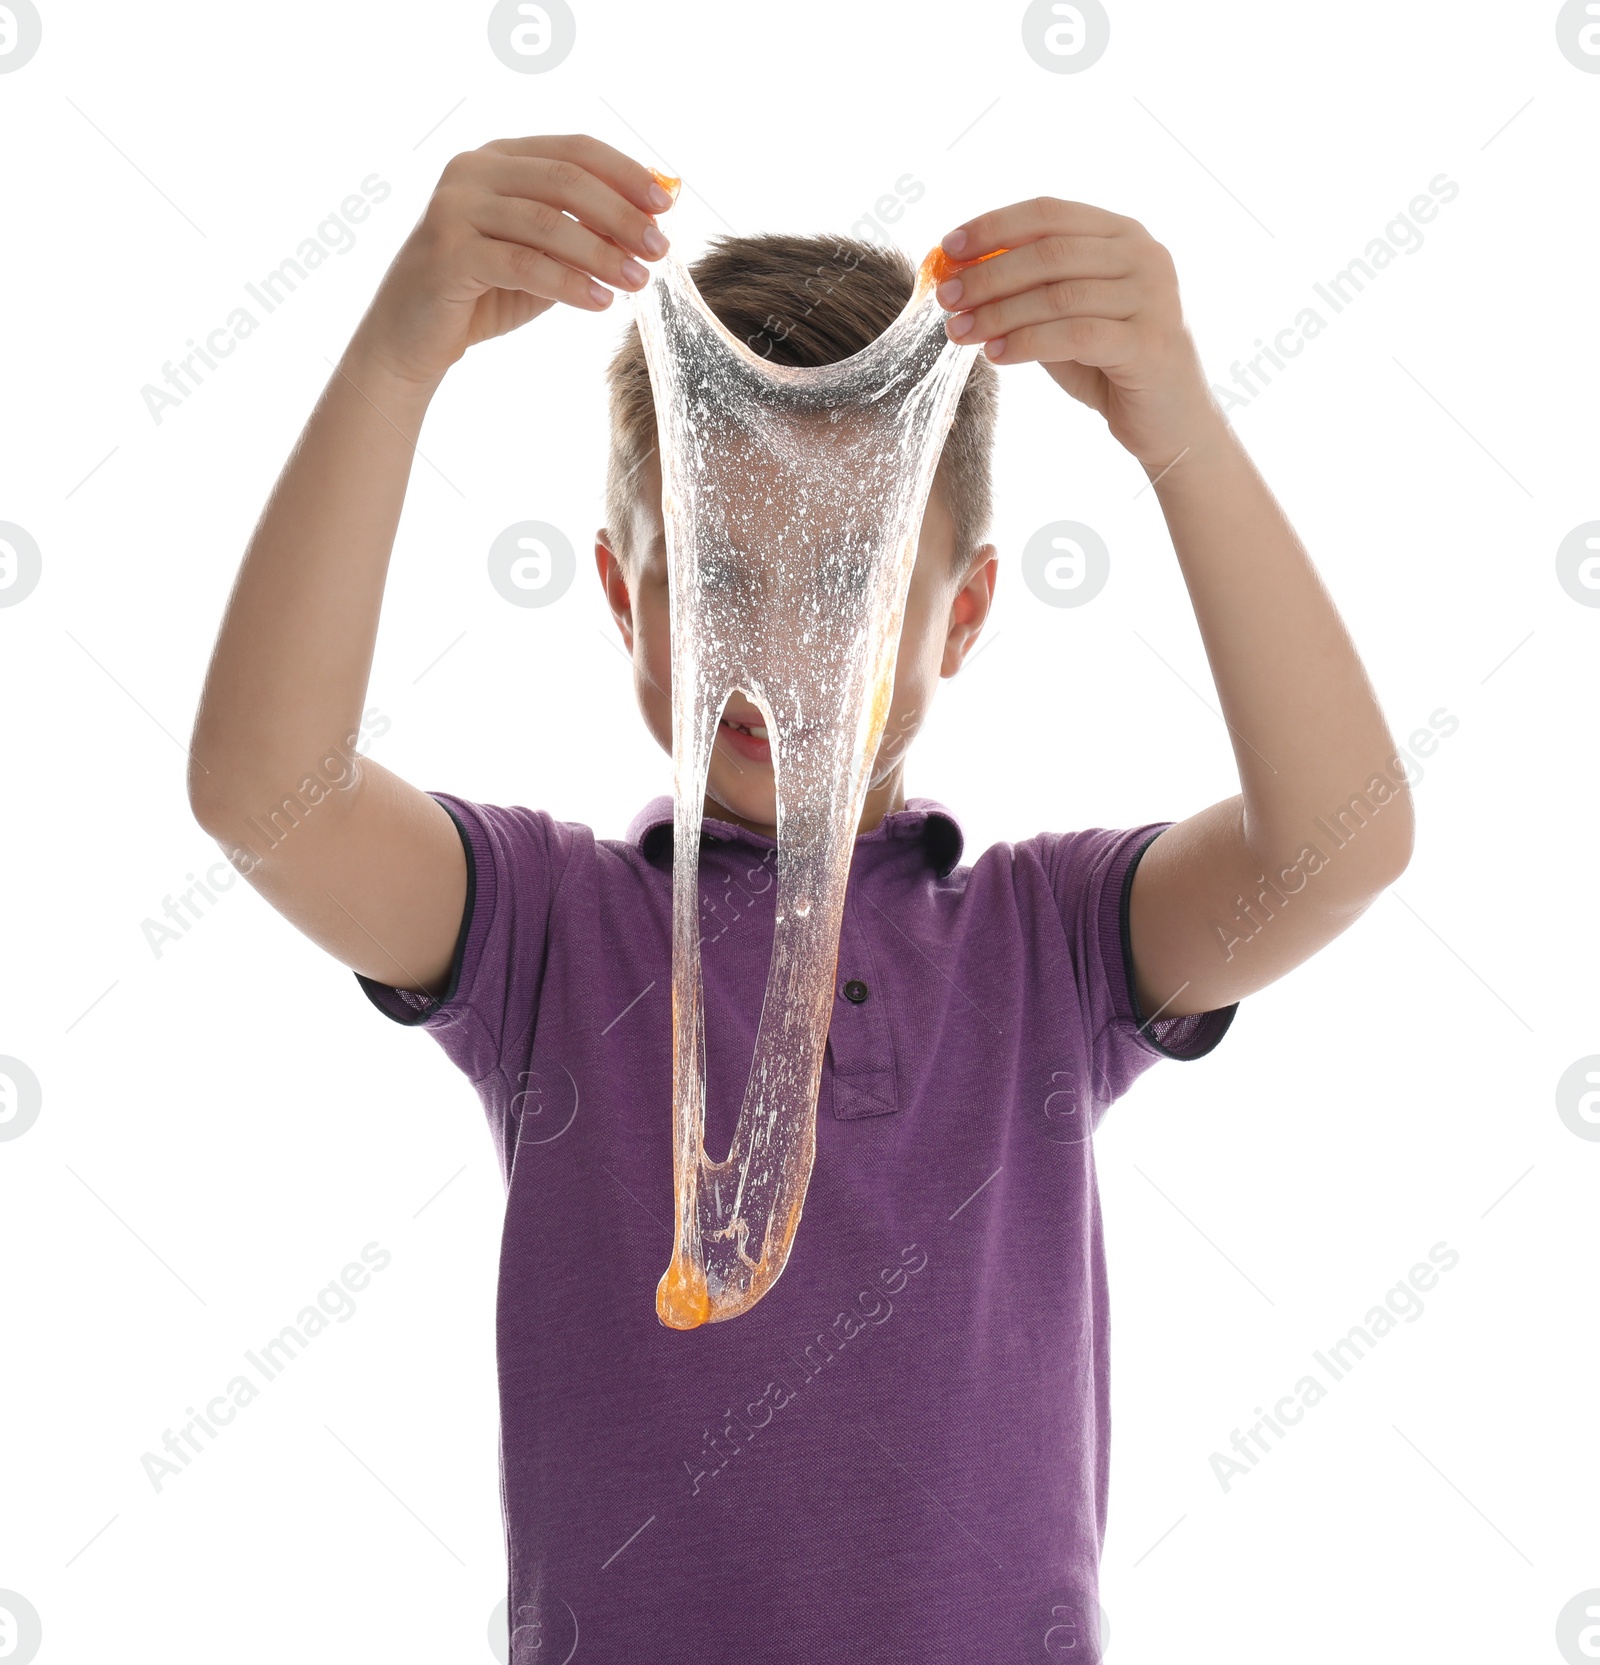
{"points": [[792, 500]]}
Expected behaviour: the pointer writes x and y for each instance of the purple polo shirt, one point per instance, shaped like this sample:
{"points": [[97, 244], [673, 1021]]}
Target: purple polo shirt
{"points": [[901, 1452]]}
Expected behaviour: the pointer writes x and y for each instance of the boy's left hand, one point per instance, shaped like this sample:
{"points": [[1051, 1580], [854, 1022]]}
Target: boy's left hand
{"points": [[1093, 297]]}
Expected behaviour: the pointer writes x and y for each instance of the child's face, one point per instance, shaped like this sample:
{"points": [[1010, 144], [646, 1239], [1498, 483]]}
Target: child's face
{"points": [[944, 613]]}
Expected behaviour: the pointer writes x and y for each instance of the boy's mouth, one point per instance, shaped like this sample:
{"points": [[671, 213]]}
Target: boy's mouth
{"points": [[748, 740]]}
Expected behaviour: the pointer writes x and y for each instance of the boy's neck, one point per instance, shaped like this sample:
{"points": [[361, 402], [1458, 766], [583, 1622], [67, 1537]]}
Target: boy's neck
{"points": [[881, 800]]}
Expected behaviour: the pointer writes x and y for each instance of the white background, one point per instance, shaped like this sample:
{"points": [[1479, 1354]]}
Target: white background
{"points": [[226, 1125]]}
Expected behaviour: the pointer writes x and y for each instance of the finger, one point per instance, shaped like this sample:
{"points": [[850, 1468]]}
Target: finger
{"points": [[642, 186], [568, 187], [1067, 298], [1024, 222], [1048, 259], [1102, 343], [502, 265], [541, 226]]}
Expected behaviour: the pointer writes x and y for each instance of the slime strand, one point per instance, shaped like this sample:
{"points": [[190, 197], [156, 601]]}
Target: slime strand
{"points": [[792, 499]]}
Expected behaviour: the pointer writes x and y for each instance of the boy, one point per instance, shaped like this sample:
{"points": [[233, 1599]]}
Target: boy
{"points": [[901, 1451]]}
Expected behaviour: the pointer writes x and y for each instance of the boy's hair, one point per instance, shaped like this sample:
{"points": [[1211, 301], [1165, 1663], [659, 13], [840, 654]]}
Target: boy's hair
{"points": [[758, 287]]}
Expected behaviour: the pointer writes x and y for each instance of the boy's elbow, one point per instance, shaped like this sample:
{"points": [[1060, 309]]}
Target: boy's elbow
{"points": [[208, 801], [1397, 826], [218, 801]]}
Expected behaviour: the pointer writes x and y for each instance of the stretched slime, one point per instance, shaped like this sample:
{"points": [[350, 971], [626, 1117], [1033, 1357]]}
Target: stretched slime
{"points": [[793, 501]]}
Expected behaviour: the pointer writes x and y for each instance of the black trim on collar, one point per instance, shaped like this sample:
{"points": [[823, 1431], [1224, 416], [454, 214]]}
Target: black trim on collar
{"points": [[941, 835], [656, 839]]}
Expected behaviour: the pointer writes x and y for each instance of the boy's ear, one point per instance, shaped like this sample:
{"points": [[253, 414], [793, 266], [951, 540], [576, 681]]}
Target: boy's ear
{"points": [[969, 608], [614, 581]]}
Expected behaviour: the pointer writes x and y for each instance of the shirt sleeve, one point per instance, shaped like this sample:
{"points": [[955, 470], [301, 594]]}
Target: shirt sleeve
{"points": [[1091, 879], [516, 860]]}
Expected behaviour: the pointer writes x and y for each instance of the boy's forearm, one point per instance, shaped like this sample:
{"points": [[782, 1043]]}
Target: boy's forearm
{"points": [[288, 677], [1305, 724]]}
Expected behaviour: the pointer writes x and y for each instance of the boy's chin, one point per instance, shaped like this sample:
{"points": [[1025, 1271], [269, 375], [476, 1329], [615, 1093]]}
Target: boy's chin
{"points": [[745, 800], [751, 796]]}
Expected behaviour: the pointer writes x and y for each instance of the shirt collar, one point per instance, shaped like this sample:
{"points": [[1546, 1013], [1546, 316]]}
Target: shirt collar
{"points": [[923, 819]]}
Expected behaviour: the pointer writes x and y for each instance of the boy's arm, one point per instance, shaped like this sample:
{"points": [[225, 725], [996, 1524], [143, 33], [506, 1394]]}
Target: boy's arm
{"points": [[366, 865], [1230, 899], [1095, 299]]}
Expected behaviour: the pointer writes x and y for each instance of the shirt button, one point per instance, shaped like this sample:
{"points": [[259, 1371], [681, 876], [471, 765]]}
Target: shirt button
{"points": [[855, 991]]}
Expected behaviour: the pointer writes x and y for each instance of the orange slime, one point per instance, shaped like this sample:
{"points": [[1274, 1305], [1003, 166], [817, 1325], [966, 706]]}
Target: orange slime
{"points": [[937, 266]]}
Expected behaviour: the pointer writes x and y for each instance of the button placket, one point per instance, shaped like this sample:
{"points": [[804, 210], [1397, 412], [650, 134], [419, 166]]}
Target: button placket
{"points": [[862, 1053]]}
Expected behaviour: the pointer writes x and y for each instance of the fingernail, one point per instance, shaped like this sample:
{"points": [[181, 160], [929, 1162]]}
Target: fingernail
{"points": [[657, 198], [960, 325], [635, 273], [654, 242], [954, 243], [949, 293], [996, 347], [600, 293]]}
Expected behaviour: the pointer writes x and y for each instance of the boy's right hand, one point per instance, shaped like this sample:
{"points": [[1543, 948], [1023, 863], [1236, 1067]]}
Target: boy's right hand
{"points": [[511, 229]]}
